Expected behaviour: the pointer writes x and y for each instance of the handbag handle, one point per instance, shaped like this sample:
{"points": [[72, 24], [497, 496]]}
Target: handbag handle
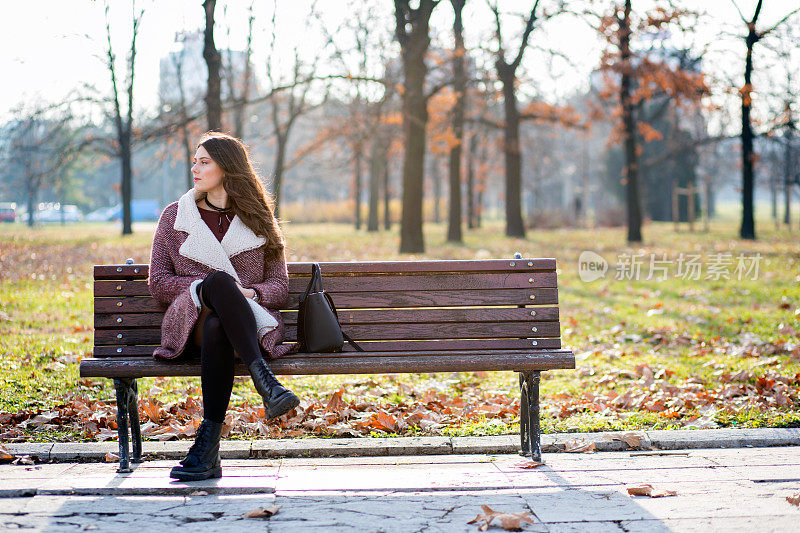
{"points": [[315, 283]]}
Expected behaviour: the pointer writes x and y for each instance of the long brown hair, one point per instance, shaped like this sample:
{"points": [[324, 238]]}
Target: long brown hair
{"points": [[246, 194]]}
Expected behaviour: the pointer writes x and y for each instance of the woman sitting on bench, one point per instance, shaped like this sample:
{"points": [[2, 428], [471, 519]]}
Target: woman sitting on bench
{"points": [[218, 263]]}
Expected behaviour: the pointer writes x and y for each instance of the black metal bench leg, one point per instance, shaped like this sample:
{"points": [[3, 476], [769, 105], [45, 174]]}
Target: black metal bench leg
{"points": [[136, 430], [126, 389], [525, 448], [529, 429]]}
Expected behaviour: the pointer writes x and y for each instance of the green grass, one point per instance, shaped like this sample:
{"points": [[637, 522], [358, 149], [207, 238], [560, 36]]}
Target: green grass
{"points": [[692, 335]]}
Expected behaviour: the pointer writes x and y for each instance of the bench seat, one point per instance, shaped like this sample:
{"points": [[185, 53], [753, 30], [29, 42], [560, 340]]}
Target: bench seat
{"points": [[409, 316]]}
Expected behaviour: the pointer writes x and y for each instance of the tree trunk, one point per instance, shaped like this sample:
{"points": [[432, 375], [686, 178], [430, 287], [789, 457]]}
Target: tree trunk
{"points": [[513, 157], [471, 181], [748, 228], [241, 101], [357, 185], [387, 195], [376, 166], [482, 179], [415, 116], [460, 86], [788, 168], [280, 158], [773, 197], [31, 205], [436, 178], [414, 45], [211, 55], [633, 201], [184, 118], [127, 175]]}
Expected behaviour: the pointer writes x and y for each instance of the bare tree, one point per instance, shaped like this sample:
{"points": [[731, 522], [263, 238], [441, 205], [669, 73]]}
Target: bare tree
{"points": [[753, 36], [634, 200], [124, 125], [239, 82], [412, 32], [507, 74], [41, 150], [183, 114], [287, 106], [213, 62], [460, 87]]}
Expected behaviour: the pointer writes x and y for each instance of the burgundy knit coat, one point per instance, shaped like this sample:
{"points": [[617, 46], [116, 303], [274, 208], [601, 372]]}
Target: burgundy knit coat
{"points": [[185, 252]]}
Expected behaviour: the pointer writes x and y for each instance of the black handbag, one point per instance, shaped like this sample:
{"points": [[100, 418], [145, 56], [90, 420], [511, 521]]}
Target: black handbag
{"points": [[318, 328]]}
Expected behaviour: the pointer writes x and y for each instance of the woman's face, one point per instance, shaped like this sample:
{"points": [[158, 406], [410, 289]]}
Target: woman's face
{"points": [[206, 172]]}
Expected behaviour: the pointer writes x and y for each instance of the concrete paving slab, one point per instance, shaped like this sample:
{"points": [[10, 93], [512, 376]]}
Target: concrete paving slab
{"points": [[64, 505], [403, 477], [606, 461], [751, 456], [351, 447], [413, 493], [743, 524], [393, 512], [767, 472], [649, 526], [45, 471], [390, 460], [158, 484], [724, 438]]}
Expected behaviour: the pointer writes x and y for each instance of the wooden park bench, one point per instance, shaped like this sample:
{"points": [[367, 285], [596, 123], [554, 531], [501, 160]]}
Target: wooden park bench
{"points": [[409, 316]]}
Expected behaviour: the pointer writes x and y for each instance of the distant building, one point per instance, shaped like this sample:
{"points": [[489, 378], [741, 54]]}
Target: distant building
{"points": [[195, 73]]}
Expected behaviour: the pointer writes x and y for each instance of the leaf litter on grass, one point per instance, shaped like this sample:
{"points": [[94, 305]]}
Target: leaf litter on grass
{"points": [[737, 363]]}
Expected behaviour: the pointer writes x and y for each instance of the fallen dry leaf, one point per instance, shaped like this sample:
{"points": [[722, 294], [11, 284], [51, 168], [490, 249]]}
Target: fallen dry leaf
{"points": [[336, 403], [262, 512], [579, 446], [645, 489], [529, 464], [22, 460], [794, 499], [5, 455], [112, 457], [199, 493], [509, 521], [631, 438]]}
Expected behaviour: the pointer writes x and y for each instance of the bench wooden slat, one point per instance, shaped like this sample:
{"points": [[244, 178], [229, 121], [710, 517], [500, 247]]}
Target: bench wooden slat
{"points": [[441, 346], [367, 316], [373, 283], [485, 265], [345, 300], [359, 332], [362, 364]]}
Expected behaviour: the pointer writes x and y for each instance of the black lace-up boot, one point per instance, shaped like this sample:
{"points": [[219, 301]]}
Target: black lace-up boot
{"points": [[277, 398], [202, 461]]}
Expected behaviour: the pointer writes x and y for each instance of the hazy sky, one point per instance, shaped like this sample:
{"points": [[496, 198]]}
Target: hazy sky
{"points": [[52, 46]]}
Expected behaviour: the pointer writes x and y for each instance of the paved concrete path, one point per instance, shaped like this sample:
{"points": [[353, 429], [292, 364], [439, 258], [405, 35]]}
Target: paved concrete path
{"points": [[718, 490]]}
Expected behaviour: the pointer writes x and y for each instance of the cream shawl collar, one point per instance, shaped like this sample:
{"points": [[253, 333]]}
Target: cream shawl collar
{"points": [[203, 247]]}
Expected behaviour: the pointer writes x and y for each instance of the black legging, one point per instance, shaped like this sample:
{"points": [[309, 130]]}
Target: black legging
{"points": [[230, 326]]}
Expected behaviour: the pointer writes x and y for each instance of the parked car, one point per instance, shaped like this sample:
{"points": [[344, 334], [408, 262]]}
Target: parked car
{"points": [[104, 214], [55, 212], [8, 212], [141, 211]]}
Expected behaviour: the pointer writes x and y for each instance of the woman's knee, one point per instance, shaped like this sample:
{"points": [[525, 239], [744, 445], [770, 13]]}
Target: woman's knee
{"points": [[218, 280], [212, 329]]}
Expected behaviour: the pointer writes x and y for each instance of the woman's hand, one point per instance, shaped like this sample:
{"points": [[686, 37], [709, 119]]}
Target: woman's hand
{"points": [[248, 293]]}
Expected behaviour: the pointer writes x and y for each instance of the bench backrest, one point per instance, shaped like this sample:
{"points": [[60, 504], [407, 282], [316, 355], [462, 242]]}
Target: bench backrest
{"points": [[386, 306]]}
